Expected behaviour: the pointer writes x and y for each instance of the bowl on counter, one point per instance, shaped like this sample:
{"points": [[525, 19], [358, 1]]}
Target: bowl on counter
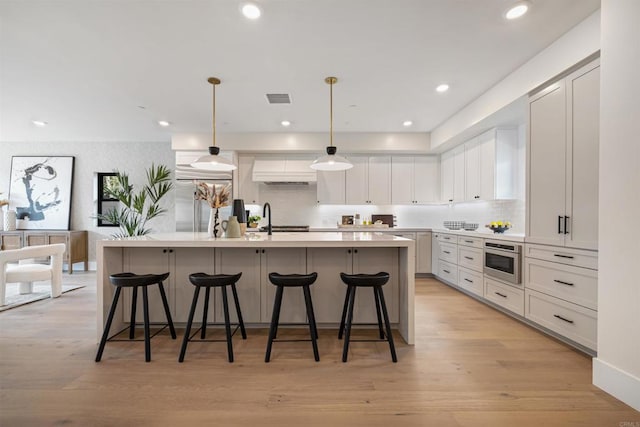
{"points": [[470, 226], [453, 225]]}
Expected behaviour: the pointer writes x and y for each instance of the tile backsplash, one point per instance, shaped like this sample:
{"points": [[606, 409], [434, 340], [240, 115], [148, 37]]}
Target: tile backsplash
{"points": [[296, 205]]}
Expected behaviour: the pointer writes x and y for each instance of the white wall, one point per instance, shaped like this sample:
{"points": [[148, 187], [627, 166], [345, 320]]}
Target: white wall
{"points": [[132, 158], [617, 367]]}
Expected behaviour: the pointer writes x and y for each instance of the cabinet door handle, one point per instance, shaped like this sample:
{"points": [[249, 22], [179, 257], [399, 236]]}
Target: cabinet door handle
{"points": [[470, 281], [348, 251], [257, 251], [263, 251], [164, 251], [446, 271], [563, 256], [355, 251], [559, 224], [446, 252], [499, 294], [170, 251], [451, 200], [566, 227], [468, 257], [468, 241], [563, 283], [562, 318], [476, 197]]}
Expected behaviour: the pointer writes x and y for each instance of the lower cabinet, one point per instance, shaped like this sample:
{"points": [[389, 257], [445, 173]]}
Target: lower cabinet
{"points": [[329, 291], [504, 295], [470, 280], [423, 252]]}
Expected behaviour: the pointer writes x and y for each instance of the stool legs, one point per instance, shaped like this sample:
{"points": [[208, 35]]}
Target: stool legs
{"points": [[107, 327], [205, 310], [165, 303], [375, 294], [227, 325], [147, 333], [392, 347], [347, 332], [134, 305], [275, 318], [344, 312], [239, 312], [312, 321], [192, 313]]}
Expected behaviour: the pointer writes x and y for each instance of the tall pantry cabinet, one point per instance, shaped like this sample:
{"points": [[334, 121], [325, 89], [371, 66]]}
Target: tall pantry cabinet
{"points": [[562, 155]]}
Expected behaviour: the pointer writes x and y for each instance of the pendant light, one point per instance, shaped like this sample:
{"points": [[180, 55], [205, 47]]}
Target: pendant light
{"points": [[331, 162], [214, 161]]}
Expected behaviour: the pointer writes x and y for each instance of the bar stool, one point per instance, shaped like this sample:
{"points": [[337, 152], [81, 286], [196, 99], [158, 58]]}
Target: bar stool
{"points": [[375, 281], [208, 281], [135, 281], [282, 281]]}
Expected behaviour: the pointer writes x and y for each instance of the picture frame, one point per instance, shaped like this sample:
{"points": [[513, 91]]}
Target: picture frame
{"points": [[40, 191]]}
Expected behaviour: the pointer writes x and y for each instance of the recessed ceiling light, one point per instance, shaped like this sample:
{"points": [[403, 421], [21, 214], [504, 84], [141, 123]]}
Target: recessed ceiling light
{"points": [[163, 123], [442, 88], [285, 123], [407, 123], [39, 123], [517, 10], [251, 11]]}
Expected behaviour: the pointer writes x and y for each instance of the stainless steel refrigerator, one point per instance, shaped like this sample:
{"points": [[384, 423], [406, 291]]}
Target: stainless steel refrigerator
{"points": [[193, 215]]}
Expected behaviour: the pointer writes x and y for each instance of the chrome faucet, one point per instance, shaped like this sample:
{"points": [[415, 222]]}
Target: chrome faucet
{"points": [[264, 214]]}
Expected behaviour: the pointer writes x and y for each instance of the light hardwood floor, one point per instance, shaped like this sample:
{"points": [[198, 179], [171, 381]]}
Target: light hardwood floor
{"points": [[471, 366]]}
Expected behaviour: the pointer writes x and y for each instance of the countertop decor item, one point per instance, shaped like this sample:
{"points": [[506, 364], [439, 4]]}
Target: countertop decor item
{"points": [[214, 161], [216, 199], [453, 225], [253, 221], [499, 226], [470, 226], [331, 162], [137, 208]]}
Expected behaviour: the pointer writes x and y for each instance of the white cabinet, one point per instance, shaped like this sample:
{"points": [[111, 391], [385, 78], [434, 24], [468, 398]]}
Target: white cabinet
{"points": [[331, 187], [249, 287], [562, 153], [369, 181], [248, 190], [423, 252], [329, 290], [506, 296], [452, 172], [493, 168], [415, 179]]}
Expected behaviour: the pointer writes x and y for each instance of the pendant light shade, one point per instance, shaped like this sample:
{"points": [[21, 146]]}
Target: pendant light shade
{"points": [[331, 162], [214, 161]]}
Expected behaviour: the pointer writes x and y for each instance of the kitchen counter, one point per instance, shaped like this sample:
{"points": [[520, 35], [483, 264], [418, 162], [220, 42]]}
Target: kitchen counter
{"points": [[183, 253], [488, 234]]}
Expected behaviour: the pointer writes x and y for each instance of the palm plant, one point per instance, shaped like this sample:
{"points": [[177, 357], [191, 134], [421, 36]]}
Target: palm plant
{"points": [[137, 208]]}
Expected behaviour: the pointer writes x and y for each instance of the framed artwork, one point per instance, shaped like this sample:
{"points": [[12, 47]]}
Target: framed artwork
{"points": [[40, 191]]}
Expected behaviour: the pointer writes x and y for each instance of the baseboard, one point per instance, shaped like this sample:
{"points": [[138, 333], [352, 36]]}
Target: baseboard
{"points": [[620, 384]]}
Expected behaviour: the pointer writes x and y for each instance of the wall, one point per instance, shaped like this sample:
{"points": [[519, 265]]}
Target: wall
{"points": [[578, 43], [617, 367], [132, 158]]}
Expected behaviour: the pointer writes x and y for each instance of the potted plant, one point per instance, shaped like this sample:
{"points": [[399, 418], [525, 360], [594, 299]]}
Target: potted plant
{"points": [[137, 208], [253, 221]]}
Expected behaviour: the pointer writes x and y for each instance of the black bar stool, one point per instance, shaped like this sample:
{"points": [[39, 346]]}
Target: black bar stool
{"points": [[135, 281], [292, 280], [375, 281], [208, 281]]}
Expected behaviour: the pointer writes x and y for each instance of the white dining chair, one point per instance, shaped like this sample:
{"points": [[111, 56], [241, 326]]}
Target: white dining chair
{"points": [[27, 271]]}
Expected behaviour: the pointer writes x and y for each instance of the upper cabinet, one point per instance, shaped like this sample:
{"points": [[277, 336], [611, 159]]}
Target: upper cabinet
{"points": [[487, 167], [369, 180], [562, 153], [331, 187], [452, 172], [415, 179], [248, 190]]}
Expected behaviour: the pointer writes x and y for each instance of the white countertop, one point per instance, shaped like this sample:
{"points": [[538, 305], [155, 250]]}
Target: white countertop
{"points": [[488, 234], [286, 239]]}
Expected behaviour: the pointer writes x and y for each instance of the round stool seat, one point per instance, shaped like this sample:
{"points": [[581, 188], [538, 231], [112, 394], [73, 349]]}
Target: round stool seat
{"points": [[377, 279], [289, 280], [203, 279], [131, 279]]}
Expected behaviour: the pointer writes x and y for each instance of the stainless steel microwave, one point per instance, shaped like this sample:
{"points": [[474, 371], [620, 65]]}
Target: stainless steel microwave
{"points": [[503, 260]]}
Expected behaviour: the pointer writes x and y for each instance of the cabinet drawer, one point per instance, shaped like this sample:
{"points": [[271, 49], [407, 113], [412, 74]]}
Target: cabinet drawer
{"points": [[576, 257], [470, 280], [573, 284], [448, 272], [470, 257], [504, 295], [449, 252], [476, 242], [447, 238], [570, 320]]}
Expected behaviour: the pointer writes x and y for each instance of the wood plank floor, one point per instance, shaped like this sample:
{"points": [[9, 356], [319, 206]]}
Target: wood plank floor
{"points": [[471, 366]]}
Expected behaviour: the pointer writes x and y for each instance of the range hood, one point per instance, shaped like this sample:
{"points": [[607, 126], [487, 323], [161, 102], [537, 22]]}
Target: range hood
{"points": [[283, 171]]}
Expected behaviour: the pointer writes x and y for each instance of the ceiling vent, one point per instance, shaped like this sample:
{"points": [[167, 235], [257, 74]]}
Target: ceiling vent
{"points": [[278, 98]]}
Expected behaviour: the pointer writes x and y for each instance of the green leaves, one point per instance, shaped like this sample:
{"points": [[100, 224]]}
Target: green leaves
{"points": [[137, 208]]}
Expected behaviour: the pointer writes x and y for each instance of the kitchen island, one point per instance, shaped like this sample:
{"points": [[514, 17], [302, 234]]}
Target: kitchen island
{"points": [[256, 255]]}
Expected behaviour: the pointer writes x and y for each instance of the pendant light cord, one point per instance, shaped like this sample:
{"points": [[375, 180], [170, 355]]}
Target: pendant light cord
{"points": [[214, 114], [331, 111]]}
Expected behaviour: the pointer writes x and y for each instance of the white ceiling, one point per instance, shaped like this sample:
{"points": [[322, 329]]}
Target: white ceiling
{"points": [[87, 67]]}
